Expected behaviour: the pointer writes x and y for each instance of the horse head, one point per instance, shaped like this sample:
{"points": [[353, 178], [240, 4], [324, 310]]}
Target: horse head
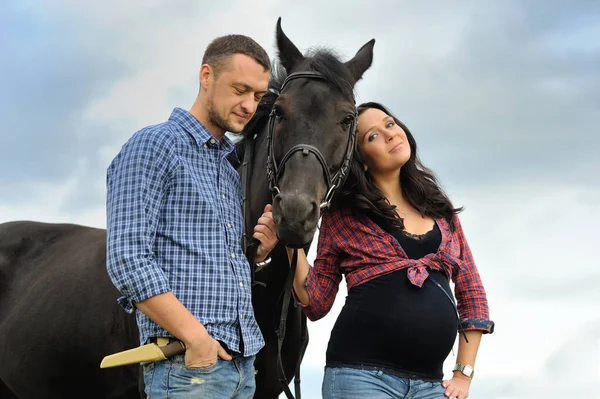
{"points": [[312, 130]]}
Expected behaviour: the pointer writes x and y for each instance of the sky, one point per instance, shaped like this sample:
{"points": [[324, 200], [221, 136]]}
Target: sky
{"points": [[502, 97]]}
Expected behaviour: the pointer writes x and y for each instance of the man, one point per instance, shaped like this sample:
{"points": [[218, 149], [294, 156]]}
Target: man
{"points": [[174, 225]]}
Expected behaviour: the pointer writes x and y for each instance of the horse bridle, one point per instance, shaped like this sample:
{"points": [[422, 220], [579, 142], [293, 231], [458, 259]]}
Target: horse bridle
{"points": [[334, 183], [274, 171]]}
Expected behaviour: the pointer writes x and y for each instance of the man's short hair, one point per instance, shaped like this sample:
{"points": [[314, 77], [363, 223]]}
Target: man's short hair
{"points": [[220, 50]]}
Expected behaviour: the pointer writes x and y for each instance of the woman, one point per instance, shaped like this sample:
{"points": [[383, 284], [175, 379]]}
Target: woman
{"points": [[397, 239]]}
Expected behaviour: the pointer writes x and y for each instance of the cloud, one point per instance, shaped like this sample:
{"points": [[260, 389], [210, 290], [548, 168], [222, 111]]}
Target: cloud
{"points": [[48, 76], [517, 230], [508, 88], [81, 79], [501, 97]]}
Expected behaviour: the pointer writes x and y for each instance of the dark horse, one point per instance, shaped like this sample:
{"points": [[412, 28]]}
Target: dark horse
{"points": [[58, 310]]}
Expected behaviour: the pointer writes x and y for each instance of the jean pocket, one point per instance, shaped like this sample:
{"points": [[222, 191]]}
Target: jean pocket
{"points": [[148, 372], [207, 369], [434, 387]]}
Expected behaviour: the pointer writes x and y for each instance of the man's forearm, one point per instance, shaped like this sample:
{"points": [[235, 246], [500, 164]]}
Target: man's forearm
{"points": [[166, 311]]}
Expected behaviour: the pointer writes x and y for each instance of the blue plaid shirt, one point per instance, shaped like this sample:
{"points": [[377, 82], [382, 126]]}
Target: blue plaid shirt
{"points": [[174, 223]]}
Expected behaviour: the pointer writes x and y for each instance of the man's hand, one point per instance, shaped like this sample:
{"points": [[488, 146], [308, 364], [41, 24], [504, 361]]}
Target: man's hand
{"points": [[203, 353], [265, 232]]}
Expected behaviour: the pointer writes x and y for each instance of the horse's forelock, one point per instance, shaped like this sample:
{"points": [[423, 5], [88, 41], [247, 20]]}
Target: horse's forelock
{"points": [[328, 64]]}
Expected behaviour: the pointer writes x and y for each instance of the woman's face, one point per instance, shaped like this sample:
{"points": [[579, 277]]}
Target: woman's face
{"points": [[382, 142]]}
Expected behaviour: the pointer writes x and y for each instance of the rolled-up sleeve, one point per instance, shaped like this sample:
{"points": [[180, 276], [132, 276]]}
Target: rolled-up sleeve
{"points": [[137, 181], [323, 279], [471, 297]]}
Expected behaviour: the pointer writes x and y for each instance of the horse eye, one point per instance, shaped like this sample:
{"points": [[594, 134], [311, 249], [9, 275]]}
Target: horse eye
{"points": [[347, 120], [278, 112]]}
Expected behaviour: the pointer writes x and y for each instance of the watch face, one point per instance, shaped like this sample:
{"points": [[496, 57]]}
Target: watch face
{"points": [[468, 370]]}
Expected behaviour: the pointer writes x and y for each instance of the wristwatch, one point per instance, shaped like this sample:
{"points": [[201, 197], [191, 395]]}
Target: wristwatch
{"points": [[465, 369]]}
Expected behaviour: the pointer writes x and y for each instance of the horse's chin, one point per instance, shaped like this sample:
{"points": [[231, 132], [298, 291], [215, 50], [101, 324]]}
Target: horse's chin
{"points": [[295, 237]]}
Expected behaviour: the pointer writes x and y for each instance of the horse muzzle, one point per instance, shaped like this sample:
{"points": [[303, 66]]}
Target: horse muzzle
{"points": [[296, 217]]}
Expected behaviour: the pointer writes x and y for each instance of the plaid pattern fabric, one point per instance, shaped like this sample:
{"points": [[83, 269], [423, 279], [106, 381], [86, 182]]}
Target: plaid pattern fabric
{"points": [[174, 223], [356, 247]]}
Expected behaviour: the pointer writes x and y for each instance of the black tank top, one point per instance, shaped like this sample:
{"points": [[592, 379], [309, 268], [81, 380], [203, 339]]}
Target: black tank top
{"points": [[390, 323]]}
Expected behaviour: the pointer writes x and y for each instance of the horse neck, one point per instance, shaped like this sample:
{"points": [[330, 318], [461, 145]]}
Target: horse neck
{"points": [[258, 193]]}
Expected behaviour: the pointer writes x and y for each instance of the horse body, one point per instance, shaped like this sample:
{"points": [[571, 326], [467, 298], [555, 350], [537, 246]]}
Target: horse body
{"points": [[58, 315], [58, 311]]}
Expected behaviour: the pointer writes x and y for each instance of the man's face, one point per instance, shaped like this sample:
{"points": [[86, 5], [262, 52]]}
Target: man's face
{"points": [[234, 95]]}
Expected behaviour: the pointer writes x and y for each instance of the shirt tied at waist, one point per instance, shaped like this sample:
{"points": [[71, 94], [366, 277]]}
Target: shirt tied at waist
{"points": [[417, 268]]}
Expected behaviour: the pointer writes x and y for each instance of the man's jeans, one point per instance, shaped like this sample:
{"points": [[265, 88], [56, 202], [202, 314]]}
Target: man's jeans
{"points": [[224, 380]]}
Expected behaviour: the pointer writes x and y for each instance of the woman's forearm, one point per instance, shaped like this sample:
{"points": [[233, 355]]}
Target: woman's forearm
{"points": [[302, 268], [467, 352]]}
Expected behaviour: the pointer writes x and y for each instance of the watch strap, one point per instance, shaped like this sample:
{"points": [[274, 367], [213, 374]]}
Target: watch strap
{"points": [[466, 369]]}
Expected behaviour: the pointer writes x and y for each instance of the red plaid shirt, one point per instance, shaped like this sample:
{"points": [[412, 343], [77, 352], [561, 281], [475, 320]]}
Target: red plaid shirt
{"points": [[355, 246]]}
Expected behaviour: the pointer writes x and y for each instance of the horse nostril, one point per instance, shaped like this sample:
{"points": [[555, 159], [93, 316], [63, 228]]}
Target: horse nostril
{"points": [[311, 216], [296, 211], [277, 210]]}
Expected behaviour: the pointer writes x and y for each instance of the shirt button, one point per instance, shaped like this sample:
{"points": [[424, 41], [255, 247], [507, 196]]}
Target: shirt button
{"points": [[204, 146], [223, 196], [233, 256], [229, 225], [212, 141], [241, 284], [241, 316]]}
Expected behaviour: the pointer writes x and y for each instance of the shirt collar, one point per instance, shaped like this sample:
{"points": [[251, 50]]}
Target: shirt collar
{"points": [[201, 134]]}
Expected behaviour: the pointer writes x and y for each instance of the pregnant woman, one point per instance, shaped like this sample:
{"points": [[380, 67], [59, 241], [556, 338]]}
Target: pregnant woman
{"points": [[397, 239]]}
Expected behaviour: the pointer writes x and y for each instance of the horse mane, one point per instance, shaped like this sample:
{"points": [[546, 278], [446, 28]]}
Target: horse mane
{"points": [[257, 123], [322, 60]]}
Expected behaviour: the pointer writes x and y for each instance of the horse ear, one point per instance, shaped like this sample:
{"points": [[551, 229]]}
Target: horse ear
{"points": [[361, 61], [289, 55]]}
